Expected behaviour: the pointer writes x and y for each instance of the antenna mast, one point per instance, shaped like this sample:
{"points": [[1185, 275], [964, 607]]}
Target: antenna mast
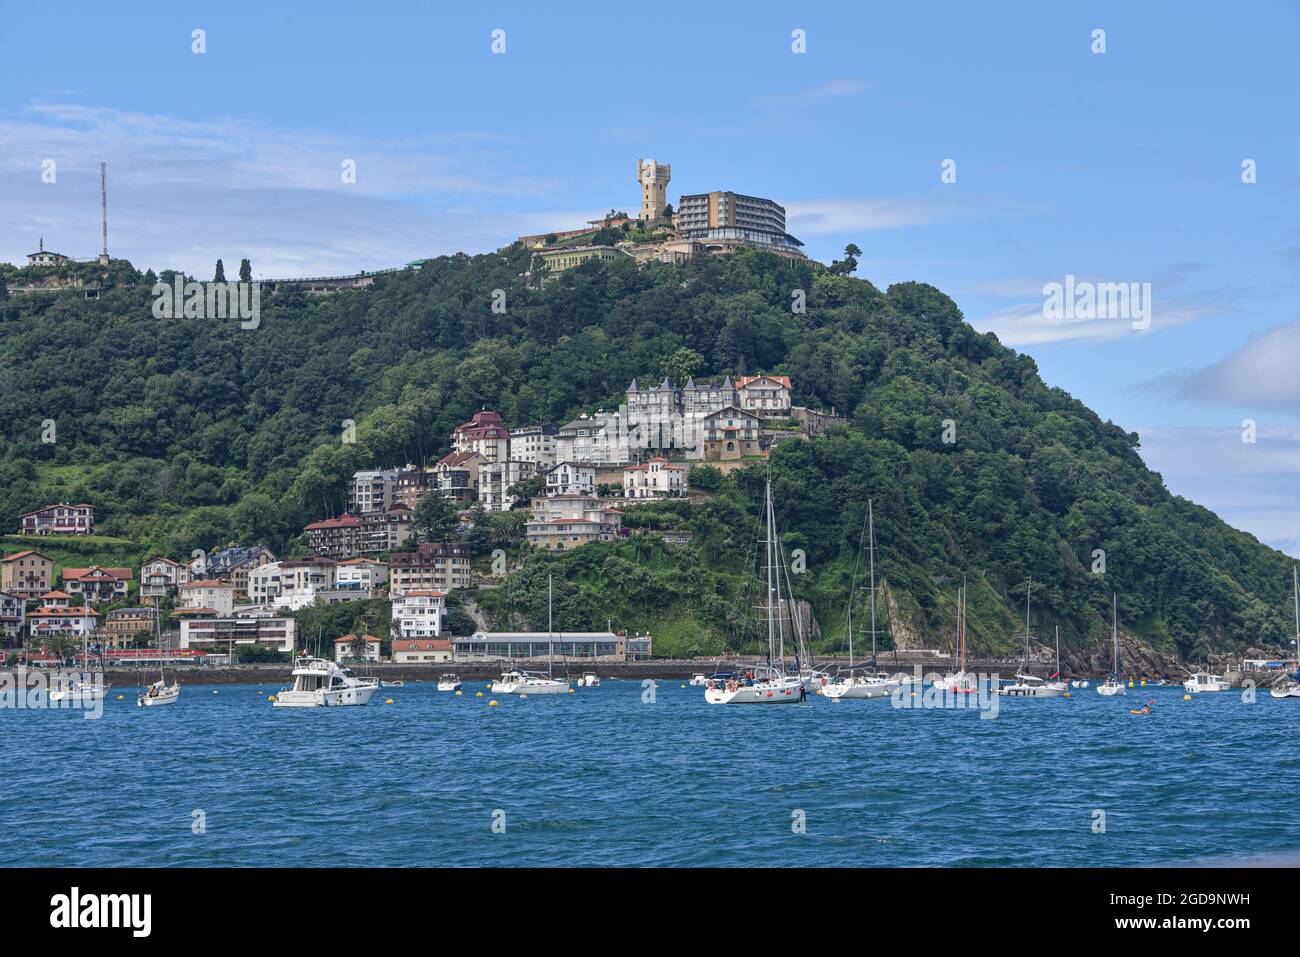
{"points": [[103, 209]]}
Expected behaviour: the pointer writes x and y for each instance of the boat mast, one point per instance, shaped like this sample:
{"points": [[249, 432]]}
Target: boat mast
{"points": [[550, 648], [871, 526], [1029, 587], [1114, 631], [1295, 583], [1058, 651]]}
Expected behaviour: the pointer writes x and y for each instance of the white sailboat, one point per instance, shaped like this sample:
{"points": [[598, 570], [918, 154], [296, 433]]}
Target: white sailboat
{"points": [[1027, 685], [764, 684], [963, 682], [83, 689], [1112, 685], [518, 681], [1056, 681], [1288, 687], [160, 692], [855, 683]]}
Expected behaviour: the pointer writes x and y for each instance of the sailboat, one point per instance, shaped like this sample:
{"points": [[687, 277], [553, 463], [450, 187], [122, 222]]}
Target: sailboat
{"points": [[854, 684], [517, 681], [963, 682], [1058, 682], [82, 690], [1112, 685], [769, 683], [160, 692], [1027, 685], [1288, 687]]}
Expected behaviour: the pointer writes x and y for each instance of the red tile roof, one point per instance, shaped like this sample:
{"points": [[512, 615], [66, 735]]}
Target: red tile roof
{"points": [[343, 521]]}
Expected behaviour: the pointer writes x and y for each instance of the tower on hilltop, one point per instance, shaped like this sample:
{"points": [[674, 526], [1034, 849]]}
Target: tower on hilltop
{"points": [[653, 178]]}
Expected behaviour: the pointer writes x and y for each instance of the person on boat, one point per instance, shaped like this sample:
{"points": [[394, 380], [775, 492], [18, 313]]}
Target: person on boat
{"points": [[803, 693]]}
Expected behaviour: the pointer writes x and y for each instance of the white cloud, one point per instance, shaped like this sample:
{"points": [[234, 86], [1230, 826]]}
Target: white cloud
{"points": [[843, 86], [1265, 373], [817, 217]]}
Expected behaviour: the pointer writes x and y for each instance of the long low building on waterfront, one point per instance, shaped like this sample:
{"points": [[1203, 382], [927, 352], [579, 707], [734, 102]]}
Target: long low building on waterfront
{"points": [[586, 645]]}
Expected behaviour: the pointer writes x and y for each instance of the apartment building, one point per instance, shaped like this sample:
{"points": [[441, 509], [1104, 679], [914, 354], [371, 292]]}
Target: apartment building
{"points": [[433, 566]]}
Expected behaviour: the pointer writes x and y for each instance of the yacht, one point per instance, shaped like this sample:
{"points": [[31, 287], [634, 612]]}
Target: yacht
{"points": [[516, 681], [963, 682], [1288, 686], [1204, 681], [320, 683], [588, 680], [698, 681], [764, 684], [853, 683], [160, 692], [1027, 685], [1112, 685], [449, 682]]}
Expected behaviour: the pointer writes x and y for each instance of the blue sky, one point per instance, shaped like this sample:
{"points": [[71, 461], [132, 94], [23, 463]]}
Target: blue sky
{"points": [[1123, 166]]}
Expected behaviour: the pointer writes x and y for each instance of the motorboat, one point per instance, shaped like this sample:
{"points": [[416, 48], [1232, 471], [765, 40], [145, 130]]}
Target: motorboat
{"points": [[1204, 681], [588, 680], [449, 682], [321, 683], [698, 681]]}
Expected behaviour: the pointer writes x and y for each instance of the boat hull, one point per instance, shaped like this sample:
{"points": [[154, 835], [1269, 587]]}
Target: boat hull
{"points": [[1021, 691], [530, 688], [1110, 690], [328, 698], [157, 701], [863, 690], [778, 692]]}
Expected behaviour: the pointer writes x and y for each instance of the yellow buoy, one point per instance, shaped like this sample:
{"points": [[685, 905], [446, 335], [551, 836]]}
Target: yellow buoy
{"points": [[478, 694], [119, 697], [1067, 694], [1130, 683], [389, 701], [1144, 682], [270, 697], [570, 691], [1187, 697], [457, 694], [492, 703]]}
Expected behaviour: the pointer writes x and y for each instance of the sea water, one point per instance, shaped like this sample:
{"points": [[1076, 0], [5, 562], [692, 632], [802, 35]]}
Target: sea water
{"points": [[626, 775]]}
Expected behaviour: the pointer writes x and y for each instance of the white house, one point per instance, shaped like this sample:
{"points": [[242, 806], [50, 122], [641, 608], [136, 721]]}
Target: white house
{"points": [[419, 614], [571, 478], [343, 650], [70, 620], [657, 478], [301, 580], [362, 575], [159, 576], [767, 396], [207, 593]]}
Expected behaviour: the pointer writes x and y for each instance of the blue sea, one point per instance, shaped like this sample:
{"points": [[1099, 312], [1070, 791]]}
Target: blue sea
{"points": [[605, 777]]}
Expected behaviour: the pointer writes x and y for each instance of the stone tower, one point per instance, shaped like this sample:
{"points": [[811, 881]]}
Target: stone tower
{"points": [[653, 178]]}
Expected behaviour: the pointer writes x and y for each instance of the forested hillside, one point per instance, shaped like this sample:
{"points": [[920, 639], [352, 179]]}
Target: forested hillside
{"points": [[196, 433]]}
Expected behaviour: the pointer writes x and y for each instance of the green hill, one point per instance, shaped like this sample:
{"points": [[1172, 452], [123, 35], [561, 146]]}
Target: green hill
{"points": [[195, 433]]}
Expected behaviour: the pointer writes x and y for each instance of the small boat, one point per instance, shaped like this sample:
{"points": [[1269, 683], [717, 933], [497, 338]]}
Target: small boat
{"points": [[963, 682], [160, 692], [588, 680], [1288, 686], [516, 681], [852, 682], [1112, 685], [1203, 681], [320, 683], [698, 681], [449, 682], [1027, 685], [79, 690], [395, 683]]}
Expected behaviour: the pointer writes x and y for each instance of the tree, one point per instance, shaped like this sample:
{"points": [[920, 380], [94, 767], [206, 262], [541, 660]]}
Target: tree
{"points": [[434, 518], [4, 290], [523, 492], [849, 264], [221, 273], [706, 477], [245, 271], [360, 644], [681, 365]]}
